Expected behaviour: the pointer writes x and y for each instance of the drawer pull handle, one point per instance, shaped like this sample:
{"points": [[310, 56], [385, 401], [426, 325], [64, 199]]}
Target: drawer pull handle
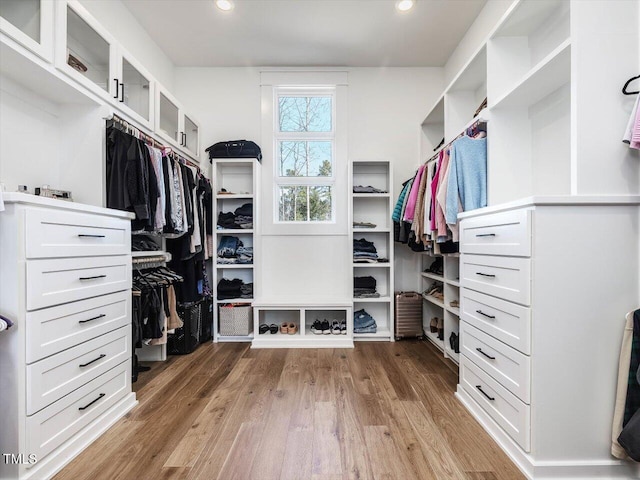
{"points": [[485, 274], [94, 360], [86, 235], [92, 318], [485, 235], [92, 278], [91, 403], [486, 315], [479, 387], [485, 354]]}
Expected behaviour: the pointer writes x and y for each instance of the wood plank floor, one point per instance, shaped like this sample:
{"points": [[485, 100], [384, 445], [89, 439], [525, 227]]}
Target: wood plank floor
{"points": [[379, 411]]}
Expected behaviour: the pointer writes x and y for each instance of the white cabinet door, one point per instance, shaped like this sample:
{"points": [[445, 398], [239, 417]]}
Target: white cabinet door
{"points": [[30, 23], [135, 88], [168, 117], [86, 51], [191, 135]]}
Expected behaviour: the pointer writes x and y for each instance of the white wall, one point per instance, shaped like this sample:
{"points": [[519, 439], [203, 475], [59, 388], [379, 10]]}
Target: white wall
{"points": [[386, 106], [119, 21]]}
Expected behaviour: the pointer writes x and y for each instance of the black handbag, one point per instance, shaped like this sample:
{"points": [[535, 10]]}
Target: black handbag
{"points": [[235, 149]]}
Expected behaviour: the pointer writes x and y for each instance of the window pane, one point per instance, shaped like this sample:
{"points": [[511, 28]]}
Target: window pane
{"points": [[305, 114], [304, 204], [304, 159]]}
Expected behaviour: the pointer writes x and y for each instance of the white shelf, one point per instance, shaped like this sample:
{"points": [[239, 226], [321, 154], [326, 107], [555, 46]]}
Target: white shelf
{"points": [[454, 310], [436, 113], [234, 338], [371, 195], [548, 75], [435, 301], [453, 356], [224, 266], [433, 276], [454, 283], [237, 231], [434, 339], [234, 196], [236, 300], [372, 265], [382, 334], [384, 299], [150, 253]]}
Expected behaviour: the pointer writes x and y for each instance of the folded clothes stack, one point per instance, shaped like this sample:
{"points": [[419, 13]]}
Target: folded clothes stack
{"points": [[231, 250], [364, 251], [367, 189], [364, 225], [241, 218], [363, 322], [365, 287], [235, 288]]}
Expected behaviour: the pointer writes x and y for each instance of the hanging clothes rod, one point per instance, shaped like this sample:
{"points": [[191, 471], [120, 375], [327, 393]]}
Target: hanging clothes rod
{"points": [[624, 89], [474, 123], [136, 132]]}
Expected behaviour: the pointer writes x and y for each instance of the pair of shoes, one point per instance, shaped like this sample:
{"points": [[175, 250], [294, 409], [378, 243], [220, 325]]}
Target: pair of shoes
{"points": [[433, 325], [436, 267], [321, 328], [455, 303], [435, 288], [339, 328], [440, 329], [438, 295], [343, 327], [290, 328], [264, 328], [454, 341]]}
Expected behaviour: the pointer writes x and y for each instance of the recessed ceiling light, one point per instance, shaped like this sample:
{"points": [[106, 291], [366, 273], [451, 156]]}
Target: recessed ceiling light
{"points": [[224, 5], [405, 5]]}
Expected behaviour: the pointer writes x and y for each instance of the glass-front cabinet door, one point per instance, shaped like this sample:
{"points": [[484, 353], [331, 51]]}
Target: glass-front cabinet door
{"points": [[30, 23], [86, 51], [191, 138], [168, 118], [135, 89]]}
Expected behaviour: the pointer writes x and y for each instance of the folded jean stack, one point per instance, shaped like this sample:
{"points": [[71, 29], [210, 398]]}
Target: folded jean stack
{"points": [[235, 288], [365, 287], [242, 218], [231, 251], [363, 322], [364, 251]]}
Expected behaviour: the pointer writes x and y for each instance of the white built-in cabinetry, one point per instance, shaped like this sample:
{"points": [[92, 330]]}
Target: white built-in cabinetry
{"points": [[66, 362], [374, 208], [30, 23], [238, 177], [174, 124], [539, 338]]}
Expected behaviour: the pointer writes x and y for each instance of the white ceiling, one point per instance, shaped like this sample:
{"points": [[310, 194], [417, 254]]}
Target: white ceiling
{"points": [[355, 33]]}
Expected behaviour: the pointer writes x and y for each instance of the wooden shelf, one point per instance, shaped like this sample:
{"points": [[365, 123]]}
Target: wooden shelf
{"points": [[435, 301], [548, 75], [433, 276]]}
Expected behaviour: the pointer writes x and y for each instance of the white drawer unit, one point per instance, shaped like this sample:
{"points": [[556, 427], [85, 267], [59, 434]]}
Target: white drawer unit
{"points": [[503, 277], [513, 415], [506, 233], [69, 234], [506, 321], [54, 377], [56, 281], [52, 426], [65, 373], [506, 365], [55, 329]]}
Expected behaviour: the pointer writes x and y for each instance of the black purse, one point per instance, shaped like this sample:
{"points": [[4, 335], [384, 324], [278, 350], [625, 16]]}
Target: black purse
{"points": [[235, 149]]}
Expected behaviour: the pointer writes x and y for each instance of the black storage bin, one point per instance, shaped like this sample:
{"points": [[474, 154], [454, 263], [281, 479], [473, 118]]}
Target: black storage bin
{"points": [[206, 323], [187, 338]]}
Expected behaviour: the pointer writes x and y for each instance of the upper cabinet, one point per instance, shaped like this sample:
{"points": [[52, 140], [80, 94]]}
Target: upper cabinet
{"points": [[135, 88], [175, 125], [30, 23]]}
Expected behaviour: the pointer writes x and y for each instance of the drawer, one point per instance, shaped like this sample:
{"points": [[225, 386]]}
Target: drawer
{"points": [[503, 277], [509, 367], [55, 281], [54, 425], [511, 414], [54, 329], [505, 233], [54, 377], [506, 321], [51, 234]]}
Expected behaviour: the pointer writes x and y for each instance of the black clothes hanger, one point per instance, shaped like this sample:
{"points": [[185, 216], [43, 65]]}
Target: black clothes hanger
{"points": [[624, 89]]}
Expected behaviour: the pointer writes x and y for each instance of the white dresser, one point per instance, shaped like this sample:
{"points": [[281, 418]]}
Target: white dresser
{"points": [[545, 285], [65, 366]]}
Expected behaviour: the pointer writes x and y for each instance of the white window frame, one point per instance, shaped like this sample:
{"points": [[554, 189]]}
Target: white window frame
{"points": [[278, 136]]}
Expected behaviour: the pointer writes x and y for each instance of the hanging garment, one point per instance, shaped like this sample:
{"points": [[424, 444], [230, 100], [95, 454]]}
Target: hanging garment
{"points": [[467, 176], [426, 208], [155, 156], [435, 181], [632, 132], [396, 216], [418, 217], [413, 196], [628, 390], [441, 198]]}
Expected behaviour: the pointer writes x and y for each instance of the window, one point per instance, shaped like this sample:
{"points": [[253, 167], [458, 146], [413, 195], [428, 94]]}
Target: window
{"points": [[304, 147]]}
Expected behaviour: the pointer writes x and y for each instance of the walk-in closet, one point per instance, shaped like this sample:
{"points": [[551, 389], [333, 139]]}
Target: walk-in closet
{"points": [[319, 240]]}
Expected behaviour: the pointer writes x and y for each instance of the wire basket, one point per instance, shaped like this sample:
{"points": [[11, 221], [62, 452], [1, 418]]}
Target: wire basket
{"points": [[186, 338], [235, 320]]}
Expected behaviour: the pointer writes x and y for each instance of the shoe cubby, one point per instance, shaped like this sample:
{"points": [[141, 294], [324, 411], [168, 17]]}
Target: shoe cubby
{"points": [[430, 311], [303, 317], [451, 325], [381, 313]]}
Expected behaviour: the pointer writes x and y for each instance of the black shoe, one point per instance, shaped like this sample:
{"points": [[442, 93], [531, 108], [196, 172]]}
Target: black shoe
{"points": [[316, 328], [454, 341], [325, 327], [264, 328]]}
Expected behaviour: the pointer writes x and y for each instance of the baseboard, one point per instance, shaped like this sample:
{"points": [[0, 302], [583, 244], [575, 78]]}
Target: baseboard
{"points": [[56, 460], [548, 470]]}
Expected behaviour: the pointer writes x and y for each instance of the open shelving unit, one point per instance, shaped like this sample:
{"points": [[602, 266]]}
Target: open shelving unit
{"points": [[374, 208], [239, 178]]}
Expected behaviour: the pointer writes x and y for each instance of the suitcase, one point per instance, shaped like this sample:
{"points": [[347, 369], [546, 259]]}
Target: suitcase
{"points": [[408, 315]]}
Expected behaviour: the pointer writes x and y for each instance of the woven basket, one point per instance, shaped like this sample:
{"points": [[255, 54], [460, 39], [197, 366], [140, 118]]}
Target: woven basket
{"points": [[235, 320]]}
